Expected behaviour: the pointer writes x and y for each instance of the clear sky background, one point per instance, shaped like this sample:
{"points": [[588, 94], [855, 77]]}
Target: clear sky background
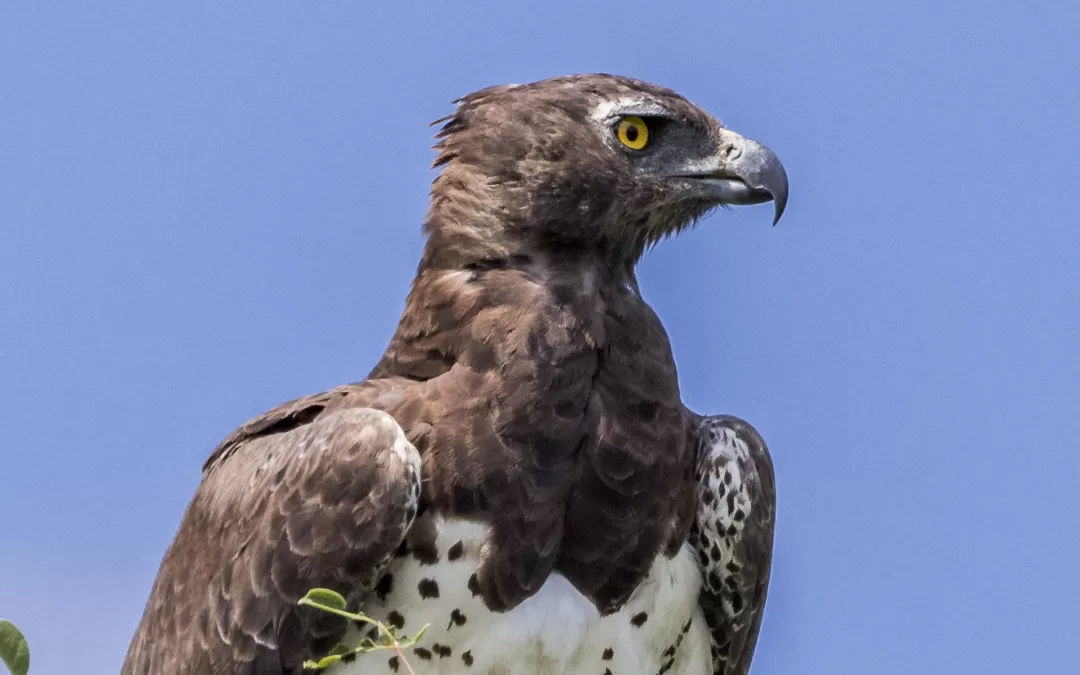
{"points": [[209, 208]]}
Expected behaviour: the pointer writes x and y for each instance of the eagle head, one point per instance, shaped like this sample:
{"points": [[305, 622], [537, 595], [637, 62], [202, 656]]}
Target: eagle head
{"points": [[587, 162]]}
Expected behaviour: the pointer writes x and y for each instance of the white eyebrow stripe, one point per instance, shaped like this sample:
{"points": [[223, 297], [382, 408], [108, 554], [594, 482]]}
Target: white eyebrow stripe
{"points": [[641, 107]]}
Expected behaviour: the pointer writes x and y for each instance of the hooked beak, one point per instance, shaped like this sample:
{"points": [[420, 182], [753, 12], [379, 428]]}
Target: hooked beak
{"points": [[742, 172]]}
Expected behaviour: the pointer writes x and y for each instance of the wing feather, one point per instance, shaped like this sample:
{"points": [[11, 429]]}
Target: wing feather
{"points": [[312, 494]]}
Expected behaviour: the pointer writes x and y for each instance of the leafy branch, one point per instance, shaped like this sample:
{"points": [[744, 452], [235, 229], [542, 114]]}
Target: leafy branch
{"points": [[328, 601]]}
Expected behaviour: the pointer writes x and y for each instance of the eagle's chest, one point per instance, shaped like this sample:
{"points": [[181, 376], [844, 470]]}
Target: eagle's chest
{"points": [[557, 631]]}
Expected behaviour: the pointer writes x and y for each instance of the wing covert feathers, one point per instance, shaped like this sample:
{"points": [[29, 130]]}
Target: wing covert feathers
{"points": [[322, 499]]}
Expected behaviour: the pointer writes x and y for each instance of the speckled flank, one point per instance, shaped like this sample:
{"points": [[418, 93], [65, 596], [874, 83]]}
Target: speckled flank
{"points": [[732, 535], [724, 502]]}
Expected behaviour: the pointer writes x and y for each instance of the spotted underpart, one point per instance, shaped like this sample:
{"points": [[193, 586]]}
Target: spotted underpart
{"points": [[557, 631]]}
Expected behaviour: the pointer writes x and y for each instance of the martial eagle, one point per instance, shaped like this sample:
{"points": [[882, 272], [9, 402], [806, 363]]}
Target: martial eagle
{"points": [[518, 470]]}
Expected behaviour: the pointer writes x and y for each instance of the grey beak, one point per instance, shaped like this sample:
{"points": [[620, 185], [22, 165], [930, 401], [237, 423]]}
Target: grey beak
{"points": [[743, 172]]}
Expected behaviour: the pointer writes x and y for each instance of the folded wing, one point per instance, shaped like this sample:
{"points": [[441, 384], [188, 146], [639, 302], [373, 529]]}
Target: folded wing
{"points": [[315, 493]]}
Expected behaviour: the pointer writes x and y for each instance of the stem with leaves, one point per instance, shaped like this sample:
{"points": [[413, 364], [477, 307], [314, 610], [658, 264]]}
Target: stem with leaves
{"points": [[327, 600]]}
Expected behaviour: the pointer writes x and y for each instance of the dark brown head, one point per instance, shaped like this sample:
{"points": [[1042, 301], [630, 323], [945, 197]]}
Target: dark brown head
{"points": [[594, 162]]}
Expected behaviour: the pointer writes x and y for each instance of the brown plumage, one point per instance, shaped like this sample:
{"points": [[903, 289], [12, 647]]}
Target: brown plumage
{"points": [[527, 383]]}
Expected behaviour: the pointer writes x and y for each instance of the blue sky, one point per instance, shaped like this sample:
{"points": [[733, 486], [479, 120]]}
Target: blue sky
{"points": [[209, 208]]}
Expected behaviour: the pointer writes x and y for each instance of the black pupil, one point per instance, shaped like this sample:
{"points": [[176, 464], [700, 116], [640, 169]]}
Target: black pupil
{"points": [[631, 132]]}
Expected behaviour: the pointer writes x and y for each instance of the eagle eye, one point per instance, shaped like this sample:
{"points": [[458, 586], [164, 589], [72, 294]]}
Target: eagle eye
{"points": [[633, 132]]}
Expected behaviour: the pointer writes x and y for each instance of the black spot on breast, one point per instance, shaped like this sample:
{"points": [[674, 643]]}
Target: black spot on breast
{"points": [[669, 652], [393, 663], [442, 650], [607, 671], [395, 619], [467, 658], [474, 585], [714, 552], [739, 515], [732, 566], [609, 653], [708, 498], [639, 619], [428, 589], [686, 627], [455, 551], [424, 654], [457, 618], [385, 585]]}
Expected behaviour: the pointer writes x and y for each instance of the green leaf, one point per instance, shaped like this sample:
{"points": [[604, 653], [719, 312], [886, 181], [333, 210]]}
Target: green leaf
{"points": [[13, 648], [324, 597], [324, 662], [420, 633]]}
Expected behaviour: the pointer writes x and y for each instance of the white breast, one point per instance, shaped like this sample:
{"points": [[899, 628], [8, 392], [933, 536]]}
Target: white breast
{"points": [[554, 632]]}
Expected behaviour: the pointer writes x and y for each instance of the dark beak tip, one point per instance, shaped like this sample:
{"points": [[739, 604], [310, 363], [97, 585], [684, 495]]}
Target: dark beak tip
{"points": [[779, 192], [780, 205]]}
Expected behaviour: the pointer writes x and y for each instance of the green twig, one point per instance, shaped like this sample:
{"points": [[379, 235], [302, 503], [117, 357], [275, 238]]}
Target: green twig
{"points": [[329, 601]]}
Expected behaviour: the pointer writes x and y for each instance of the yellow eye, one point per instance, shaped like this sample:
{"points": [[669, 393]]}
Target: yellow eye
{"points": [[633, 133]]}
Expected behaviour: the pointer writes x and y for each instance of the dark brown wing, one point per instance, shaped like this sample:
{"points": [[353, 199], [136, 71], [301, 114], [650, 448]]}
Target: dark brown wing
{"points": [[733, 535], [316, 493]]}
